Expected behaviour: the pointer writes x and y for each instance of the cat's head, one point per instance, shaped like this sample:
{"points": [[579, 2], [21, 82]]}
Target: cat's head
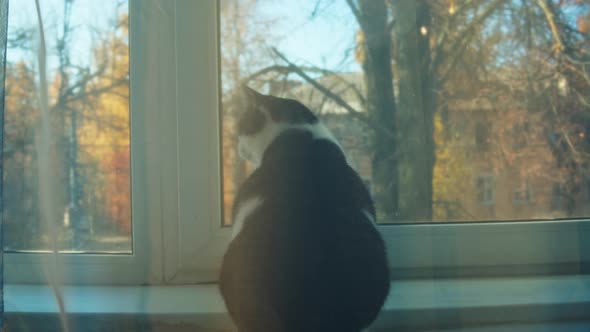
{"points": [[262, 118]]}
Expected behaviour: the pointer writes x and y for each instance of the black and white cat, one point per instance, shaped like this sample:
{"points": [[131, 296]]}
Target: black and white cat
{"points": [[306, 255]]}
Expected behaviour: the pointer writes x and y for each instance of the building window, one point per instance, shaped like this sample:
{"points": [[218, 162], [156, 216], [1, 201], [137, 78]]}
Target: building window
{"points": [[523, 193], [486, 189], [557, 195], [482, 136], [520, 135]]}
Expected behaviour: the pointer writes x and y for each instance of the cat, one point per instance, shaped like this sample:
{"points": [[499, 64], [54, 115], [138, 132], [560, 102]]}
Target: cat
{"points": [[305, 254]]}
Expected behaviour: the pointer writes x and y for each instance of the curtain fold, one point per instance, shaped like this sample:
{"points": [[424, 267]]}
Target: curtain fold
{"points": [[3, 37]]}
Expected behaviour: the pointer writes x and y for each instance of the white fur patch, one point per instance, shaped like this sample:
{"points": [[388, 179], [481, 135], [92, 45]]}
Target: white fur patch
{"points": [[369, 217], [244, 209]]}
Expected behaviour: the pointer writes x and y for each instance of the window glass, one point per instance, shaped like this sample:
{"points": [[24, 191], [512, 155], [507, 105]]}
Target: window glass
{"points": [[88, 82], [427, 96]]}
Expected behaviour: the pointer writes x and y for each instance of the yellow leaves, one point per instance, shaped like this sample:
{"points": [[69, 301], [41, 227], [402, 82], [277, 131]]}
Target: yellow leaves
{"points": [[451, 174], [107, 119], [104, 135], [359, 49]]}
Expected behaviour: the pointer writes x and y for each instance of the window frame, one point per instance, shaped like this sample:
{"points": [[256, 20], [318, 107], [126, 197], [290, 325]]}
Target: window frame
{"points": [[488, 249], [195, 244], [144, 265], [176, 212], [178, 235]]}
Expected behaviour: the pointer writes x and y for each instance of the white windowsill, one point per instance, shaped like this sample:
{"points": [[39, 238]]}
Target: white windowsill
{"points": [[412, 303], [471, 302], [117, 308]]}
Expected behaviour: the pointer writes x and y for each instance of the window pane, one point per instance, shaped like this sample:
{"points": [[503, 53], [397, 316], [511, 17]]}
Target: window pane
{"points": [[88, 79], [450, 110]]}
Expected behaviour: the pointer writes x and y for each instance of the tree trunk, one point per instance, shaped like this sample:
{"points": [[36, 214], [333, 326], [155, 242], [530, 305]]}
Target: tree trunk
{"points": [[372, 16], [78, 219], [415, 110]]}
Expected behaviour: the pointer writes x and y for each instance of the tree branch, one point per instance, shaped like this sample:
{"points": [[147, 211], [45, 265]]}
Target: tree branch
{"points": [[288, 70], [461, 44], [336, 98], [559, 46], [463, 40], [442, 40], [79, 96]]}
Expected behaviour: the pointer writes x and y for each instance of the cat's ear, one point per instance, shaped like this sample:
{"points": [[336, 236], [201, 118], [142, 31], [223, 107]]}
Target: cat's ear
{"points": [[250, 94]]}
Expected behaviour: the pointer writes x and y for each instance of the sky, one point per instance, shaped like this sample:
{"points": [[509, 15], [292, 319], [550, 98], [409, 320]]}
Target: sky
{"points": [[320, 40], [324, 39], [87, 16]]}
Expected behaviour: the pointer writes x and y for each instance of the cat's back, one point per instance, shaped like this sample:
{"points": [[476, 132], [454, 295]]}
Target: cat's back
{"points": [[311, 245], [310, 175]]}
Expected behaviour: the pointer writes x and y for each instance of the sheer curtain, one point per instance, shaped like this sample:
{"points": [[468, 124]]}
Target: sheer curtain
{"points": [[3, 28]]}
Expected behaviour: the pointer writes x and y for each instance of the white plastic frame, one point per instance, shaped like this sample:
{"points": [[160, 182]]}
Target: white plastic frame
{"points": [[176, 175], [151, 42]]}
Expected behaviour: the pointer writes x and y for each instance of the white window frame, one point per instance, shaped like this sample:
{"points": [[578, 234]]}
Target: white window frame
{"points": [[176, 181], [151, 91], [175, 158]]}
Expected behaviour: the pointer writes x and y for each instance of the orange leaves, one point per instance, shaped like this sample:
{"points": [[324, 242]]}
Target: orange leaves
{"points": [[583, 23], [452, 8], [118, 189], [104, 135]]}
